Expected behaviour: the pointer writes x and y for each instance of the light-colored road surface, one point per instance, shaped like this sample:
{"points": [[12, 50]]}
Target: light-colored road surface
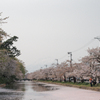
{"points": [[36, 91], [66, 93]]}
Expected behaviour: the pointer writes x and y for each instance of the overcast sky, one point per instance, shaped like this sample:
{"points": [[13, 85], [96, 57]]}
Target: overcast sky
{"points": [[49, 29]]}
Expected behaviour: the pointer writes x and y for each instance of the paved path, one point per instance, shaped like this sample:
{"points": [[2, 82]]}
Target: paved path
{"points": [[63, 93], [69, 93]]}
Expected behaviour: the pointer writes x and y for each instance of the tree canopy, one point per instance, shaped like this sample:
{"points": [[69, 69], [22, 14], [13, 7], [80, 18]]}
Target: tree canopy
{"points": [[11, 68], [12, 51]]}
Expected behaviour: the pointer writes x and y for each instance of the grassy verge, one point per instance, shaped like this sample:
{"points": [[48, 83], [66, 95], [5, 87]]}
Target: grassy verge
{"points": [[77, 85]]}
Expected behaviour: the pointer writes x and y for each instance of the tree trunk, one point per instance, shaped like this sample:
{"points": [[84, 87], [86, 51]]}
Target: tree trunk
{"points": [[74, 78], [64, 78], [82, 80], [60, 79], [69, 79]]}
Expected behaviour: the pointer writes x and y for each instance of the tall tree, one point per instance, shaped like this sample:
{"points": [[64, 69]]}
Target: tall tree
{"points": [[12, 51], [2, 32]]}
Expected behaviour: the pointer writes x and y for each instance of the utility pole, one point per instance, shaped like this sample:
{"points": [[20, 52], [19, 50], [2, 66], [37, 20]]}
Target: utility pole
{"points": [[46, 66], [70, 58], [57, 61], [41, 69], [98, 38]]}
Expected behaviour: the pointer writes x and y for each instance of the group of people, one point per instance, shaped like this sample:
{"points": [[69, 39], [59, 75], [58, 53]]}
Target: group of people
{"points": [[92, 82]]}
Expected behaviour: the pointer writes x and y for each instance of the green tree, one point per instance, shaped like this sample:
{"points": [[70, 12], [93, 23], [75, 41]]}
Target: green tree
{"points": [[12, 51], [10, 67]]}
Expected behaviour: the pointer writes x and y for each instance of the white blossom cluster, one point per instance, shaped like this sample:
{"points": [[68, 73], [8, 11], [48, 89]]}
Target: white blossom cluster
{"points": [[89, 66]]}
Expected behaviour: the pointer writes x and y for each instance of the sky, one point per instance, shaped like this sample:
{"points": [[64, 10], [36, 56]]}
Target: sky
{"points": [[49, 29]]}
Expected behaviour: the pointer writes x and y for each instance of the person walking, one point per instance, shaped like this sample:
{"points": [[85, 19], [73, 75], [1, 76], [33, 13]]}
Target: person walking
{"points": [[90, 80]]}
